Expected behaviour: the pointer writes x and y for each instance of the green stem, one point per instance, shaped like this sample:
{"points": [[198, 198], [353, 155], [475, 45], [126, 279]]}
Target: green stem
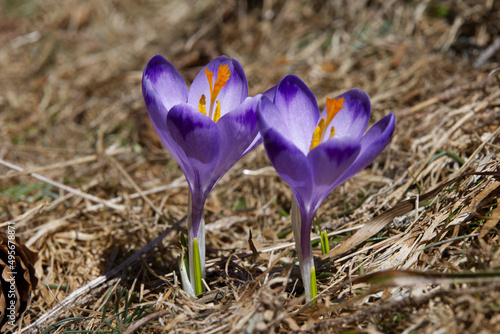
{"points": [[198, 289]]}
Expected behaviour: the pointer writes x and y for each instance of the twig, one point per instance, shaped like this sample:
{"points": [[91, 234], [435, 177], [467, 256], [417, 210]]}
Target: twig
{"points": [[145, 320], [77, 161], [487, 53], [63, 164], [25, 215], [66, 188], [179, 182], [132, 182]]}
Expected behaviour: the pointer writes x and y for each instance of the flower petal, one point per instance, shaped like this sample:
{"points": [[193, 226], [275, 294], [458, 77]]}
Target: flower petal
{"points": [[162, 87], [372, 144], [352, 120], [231, 95], [238, 130], [157, 113], [270, 93], [290, 163], [197, 137], [299, 111], [162, 79], [256, 142], [268, 116], [329, 161]]}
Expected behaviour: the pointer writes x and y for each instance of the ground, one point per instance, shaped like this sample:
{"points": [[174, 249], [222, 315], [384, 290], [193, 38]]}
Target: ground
{"points": [[87, 183]]}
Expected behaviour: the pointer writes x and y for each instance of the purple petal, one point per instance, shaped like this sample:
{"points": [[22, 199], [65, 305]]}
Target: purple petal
{"points": [[231, 95], [197, 136], [238, 130], [256, 142], [352, 120], [268, 116], [290, 163], [298, 109], [270, 93], [329, 161], [161, 79], [372, 144], [159, 74], [157, 113]]}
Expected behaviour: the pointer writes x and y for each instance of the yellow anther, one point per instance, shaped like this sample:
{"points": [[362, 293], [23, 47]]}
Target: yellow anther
{"points": [[333, 106], [201, 107], [332, 132], [217, 112], [318, 133]]}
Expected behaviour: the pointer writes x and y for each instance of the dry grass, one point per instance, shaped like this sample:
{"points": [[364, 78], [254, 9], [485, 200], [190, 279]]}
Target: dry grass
{"points": [[74, 123]]}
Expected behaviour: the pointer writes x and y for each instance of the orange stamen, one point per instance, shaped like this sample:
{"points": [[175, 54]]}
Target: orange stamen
{"points": [[333, 106], [223, 74], [210, 77], [222, 78]]}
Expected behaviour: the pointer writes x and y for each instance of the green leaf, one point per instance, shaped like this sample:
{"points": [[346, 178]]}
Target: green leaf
{"points": [[283, 233], [184, 272], [325, 243], [198, 287], [314, 285]]}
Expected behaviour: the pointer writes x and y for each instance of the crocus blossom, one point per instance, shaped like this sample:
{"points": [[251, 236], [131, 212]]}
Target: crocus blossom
{"points": [[314, 152], [206, 128]]}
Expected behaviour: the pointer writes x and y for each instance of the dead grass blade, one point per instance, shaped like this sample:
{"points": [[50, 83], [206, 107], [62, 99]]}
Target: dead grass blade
{"points": [[491, 222], [137, 325], [375, 225], [411, 277], [402, 278]]}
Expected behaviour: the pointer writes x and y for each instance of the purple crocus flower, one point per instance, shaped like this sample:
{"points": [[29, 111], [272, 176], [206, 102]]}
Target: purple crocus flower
{"points": [[206, 128], [316, 152]]}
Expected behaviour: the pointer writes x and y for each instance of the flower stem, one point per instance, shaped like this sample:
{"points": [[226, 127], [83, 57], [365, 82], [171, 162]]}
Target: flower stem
{"points": [[301, 224], [196, 243]]}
